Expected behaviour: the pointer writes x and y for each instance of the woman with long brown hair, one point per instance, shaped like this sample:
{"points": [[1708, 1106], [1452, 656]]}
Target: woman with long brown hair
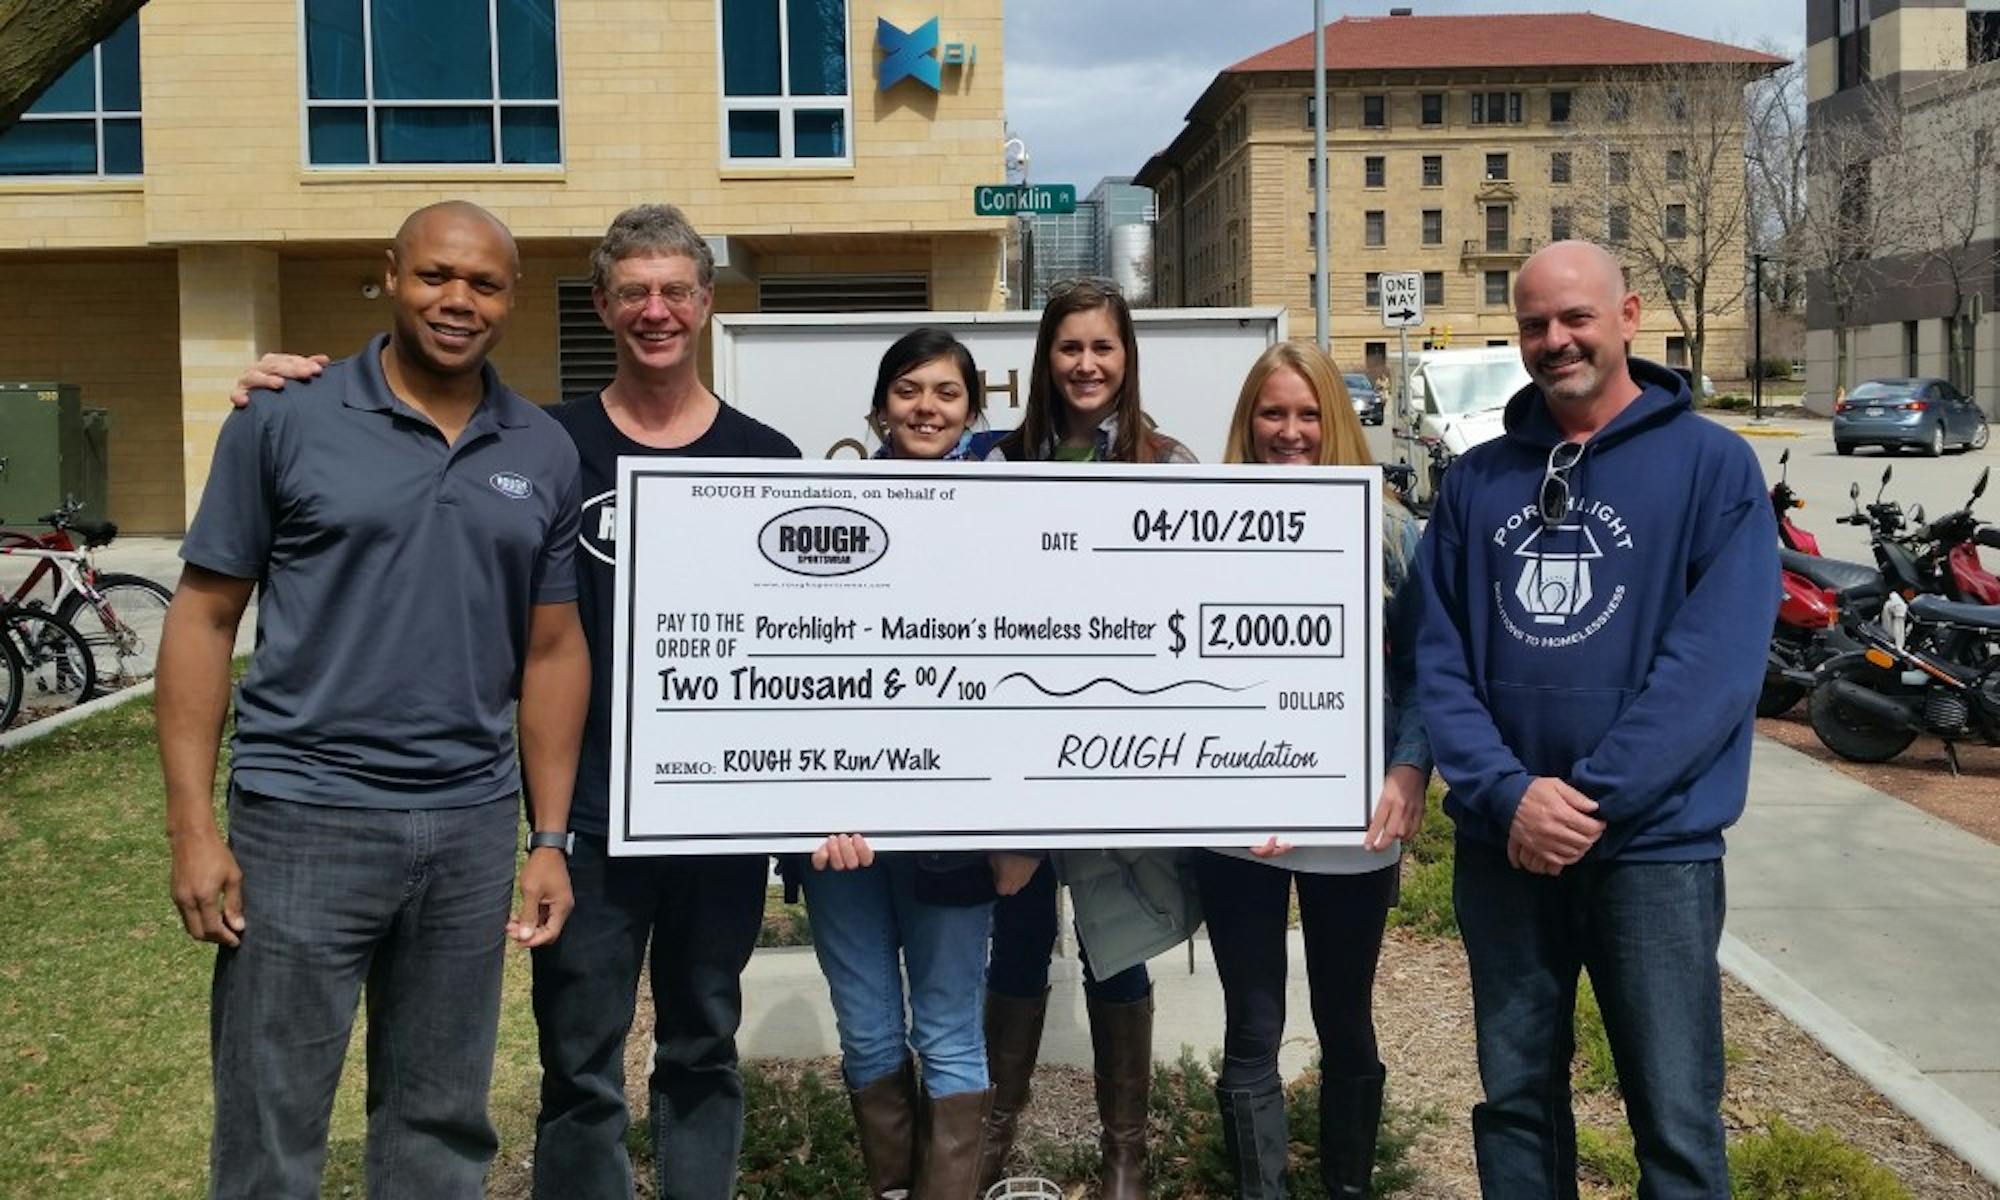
{"points": [[1083, 406]]}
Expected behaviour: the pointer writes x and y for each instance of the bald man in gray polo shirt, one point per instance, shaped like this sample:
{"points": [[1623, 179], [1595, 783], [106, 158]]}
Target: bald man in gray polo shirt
{"points": [[409, 523]]}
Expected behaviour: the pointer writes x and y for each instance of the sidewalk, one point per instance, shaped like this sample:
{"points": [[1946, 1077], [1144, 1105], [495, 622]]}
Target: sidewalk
{"points": [[1874, 927]]}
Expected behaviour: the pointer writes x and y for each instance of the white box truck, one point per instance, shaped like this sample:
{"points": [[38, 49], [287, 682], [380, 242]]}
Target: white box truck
{"points": [[810, 375]]}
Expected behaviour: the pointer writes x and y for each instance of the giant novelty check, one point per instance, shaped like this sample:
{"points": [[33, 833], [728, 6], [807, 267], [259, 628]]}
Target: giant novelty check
{"points": [[994, 655]]}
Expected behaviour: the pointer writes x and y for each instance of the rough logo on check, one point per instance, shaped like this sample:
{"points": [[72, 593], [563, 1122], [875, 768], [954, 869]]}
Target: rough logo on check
{"points": [[823, 541]]}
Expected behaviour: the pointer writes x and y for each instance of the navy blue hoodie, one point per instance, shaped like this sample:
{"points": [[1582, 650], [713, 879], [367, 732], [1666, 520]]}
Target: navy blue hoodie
{"points": [[1622, 649]]}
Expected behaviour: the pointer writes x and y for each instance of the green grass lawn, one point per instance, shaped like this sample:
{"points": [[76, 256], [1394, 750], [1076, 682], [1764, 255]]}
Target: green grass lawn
{"points": [[104, 1004]]}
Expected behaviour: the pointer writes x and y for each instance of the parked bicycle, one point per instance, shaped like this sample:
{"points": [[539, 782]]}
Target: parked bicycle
{"points": [[120, 616], [56, 671]]}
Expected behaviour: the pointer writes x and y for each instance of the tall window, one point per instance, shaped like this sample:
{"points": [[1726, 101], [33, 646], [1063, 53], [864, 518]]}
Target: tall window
{"points": [[1496, 289], [1433, 170], [1559, 223], [784, 81], [1617, 224], [1618, 166], [87, 122], [394, 82], [1677, 166], [1434, 288], [1559, 166], [1497, 231], [1375, 112], [1496, 108], [1372, 171], [1433, 227], [1676, 222], [1496, 166], [1559, 108], [1374, 227], [1677, 282], [1371, 289], [1433, 108]]}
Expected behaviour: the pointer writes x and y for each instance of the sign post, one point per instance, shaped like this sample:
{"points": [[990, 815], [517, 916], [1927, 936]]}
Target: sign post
{"points": [[1402, 295]]}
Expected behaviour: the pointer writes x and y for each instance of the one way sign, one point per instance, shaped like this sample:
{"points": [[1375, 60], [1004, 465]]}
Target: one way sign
{"points": [[1402, 299]]}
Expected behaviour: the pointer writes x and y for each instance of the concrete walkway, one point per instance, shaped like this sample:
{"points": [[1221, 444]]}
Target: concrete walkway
{"points": [[1871, 925]]}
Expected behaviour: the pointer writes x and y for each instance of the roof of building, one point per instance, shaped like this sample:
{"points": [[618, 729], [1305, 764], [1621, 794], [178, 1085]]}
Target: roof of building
{"points": [[1494, 41], [1576, 39]]}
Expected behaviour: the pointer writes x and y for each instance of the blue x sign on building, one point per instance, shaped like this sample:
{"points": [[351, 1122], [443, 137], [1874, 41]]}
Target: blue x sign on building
{"points": [[911, 55]]}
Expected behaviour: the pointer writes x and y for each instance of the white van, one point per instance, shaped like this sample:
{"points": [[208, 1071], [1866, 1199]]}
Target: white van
{"points": [[1454, 401]]}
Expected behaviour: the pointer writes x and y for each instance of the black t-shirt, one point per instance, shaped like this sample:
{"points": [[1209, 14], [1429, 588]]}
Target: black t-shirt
{"points": [[598, 445]]}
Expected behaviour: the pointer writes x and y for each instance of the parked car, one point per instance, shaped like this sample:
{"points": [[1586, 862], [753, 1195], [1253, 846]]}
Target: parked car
{"points": [[1367, 401], [1925, 414]]}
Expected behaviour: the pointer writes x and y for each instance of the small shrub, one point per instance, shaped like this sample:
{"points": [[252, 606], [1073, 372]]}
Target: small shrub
{"points": [[1184, 1138], [1425, 906], [1594, 1071], [1785, 1162], [798, 1139], [1608, 1159], [784, 924]]}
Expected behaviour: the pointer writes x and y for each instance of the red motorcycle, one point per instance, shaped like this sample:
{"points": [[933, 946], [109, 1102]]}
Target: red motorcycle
{"points": [[1812, 592]]}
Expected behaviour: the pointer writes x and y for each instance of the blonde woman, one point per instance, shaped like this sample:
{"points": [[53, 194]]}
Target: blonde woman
{"points": [[1294, 410]]}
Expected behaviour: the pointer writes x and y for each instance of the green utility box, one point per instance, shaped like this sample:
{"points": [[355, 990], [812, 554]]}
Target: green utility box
{"points": [[51, 448]]}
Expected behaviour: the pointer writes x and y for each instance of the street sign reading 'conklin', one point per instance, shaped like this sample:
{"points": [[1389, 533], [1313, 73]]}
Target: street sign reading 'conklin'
{"points": [[1009, 199]]}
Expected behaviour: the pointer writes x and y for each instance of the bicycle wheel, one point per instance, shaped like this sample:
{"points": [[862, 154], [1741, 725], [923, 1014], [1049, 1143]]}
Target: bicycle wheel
{"points": [[57, 670], [121, 624], [11, 682]]}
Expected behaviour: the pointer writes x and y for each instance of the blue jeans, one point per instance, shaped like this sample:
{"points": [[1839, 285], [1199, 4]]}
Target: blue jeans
{"points": [[1024, 939], [861, 920], [411, 905], [1647, 933], [701, 915]]}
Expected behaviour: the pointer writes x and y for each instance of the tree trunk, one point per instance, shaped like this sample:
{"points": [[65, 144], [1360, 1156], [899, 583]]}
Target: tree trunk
{"points": [[39, 39]]}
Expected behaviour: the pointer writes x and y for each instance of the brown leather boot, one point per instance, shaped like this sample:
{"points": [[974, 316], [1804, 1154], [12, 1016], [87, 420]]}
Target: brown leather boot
{"points": [[954, 1128], [1013, 1043], [885, 1116], [1121, 1043]]}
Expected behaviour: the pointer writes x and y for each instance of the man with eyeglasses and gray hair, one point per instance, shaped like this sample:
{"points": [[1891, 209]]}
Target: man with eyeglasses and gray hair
{"points": [[1599, 591], [693, 920]]}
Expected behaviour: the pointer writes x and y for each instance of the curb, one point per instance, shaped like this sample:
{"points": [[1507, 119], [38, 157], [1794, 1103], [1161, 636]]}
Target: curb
{"points": [[1947, 1118], [1747, 431], [82, 712]]}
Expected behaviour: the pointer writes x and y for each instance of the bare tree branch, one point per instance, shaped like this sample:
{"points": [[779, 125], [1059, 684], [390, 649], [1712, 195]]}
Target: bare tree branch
{"points": [[1658, 165], [40, 39]]}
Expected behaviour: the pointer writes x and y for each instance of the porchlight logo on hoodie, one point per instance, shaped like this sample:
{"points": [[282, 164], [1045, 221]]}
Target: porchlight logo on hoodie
{"points": [[1559, 596]]}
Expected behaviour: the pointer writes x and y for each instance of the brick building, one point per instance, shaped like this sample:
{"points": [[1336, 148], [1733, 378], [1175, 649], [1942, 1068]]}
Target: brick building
{"points": [[1452, 150]]}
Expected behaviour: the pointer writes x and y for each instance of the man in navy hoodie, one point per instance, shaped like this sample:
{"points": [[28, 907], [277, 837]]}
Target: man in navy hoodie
{"points": [[1599, 591]]}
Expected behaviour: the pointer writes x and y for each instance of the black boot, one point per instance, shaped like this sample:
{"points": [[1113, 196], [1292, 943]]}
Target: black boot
{"points": [[1350, 1113], [1255, 1139]]}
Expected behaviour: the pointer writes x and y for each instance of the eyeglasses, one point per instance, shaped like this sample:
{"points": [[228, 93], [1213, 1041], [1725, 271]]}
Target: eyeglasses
{"points": [[1555, 482], [677, 295], [1094, 283]]}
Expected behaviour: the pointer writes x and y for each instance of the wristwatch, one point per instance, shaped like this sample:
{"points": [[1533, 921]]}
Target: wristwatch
{"points": [[547, 840]]}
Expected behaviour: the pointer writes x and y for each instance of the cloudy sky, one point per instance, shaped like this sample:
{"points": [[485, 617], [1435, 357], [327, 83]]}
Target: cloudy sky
{"points": [[1095, 87]]}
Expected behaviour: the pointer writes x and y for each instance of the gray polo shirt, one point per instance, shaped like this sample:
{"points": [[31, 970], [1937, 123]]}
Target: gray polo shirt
{"points": [[396, 577]]}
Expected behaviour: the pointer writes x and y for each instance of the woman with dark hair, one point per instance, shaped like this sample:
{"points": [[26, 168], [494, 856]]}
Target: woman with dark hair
{"points": [[1083, 406], [920, 1137], [1294, 410]]}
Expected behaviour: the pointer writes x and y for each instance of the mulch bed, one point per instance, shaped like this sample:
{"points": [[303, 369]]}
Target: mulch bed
{"points": [[1424, 1024]]}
